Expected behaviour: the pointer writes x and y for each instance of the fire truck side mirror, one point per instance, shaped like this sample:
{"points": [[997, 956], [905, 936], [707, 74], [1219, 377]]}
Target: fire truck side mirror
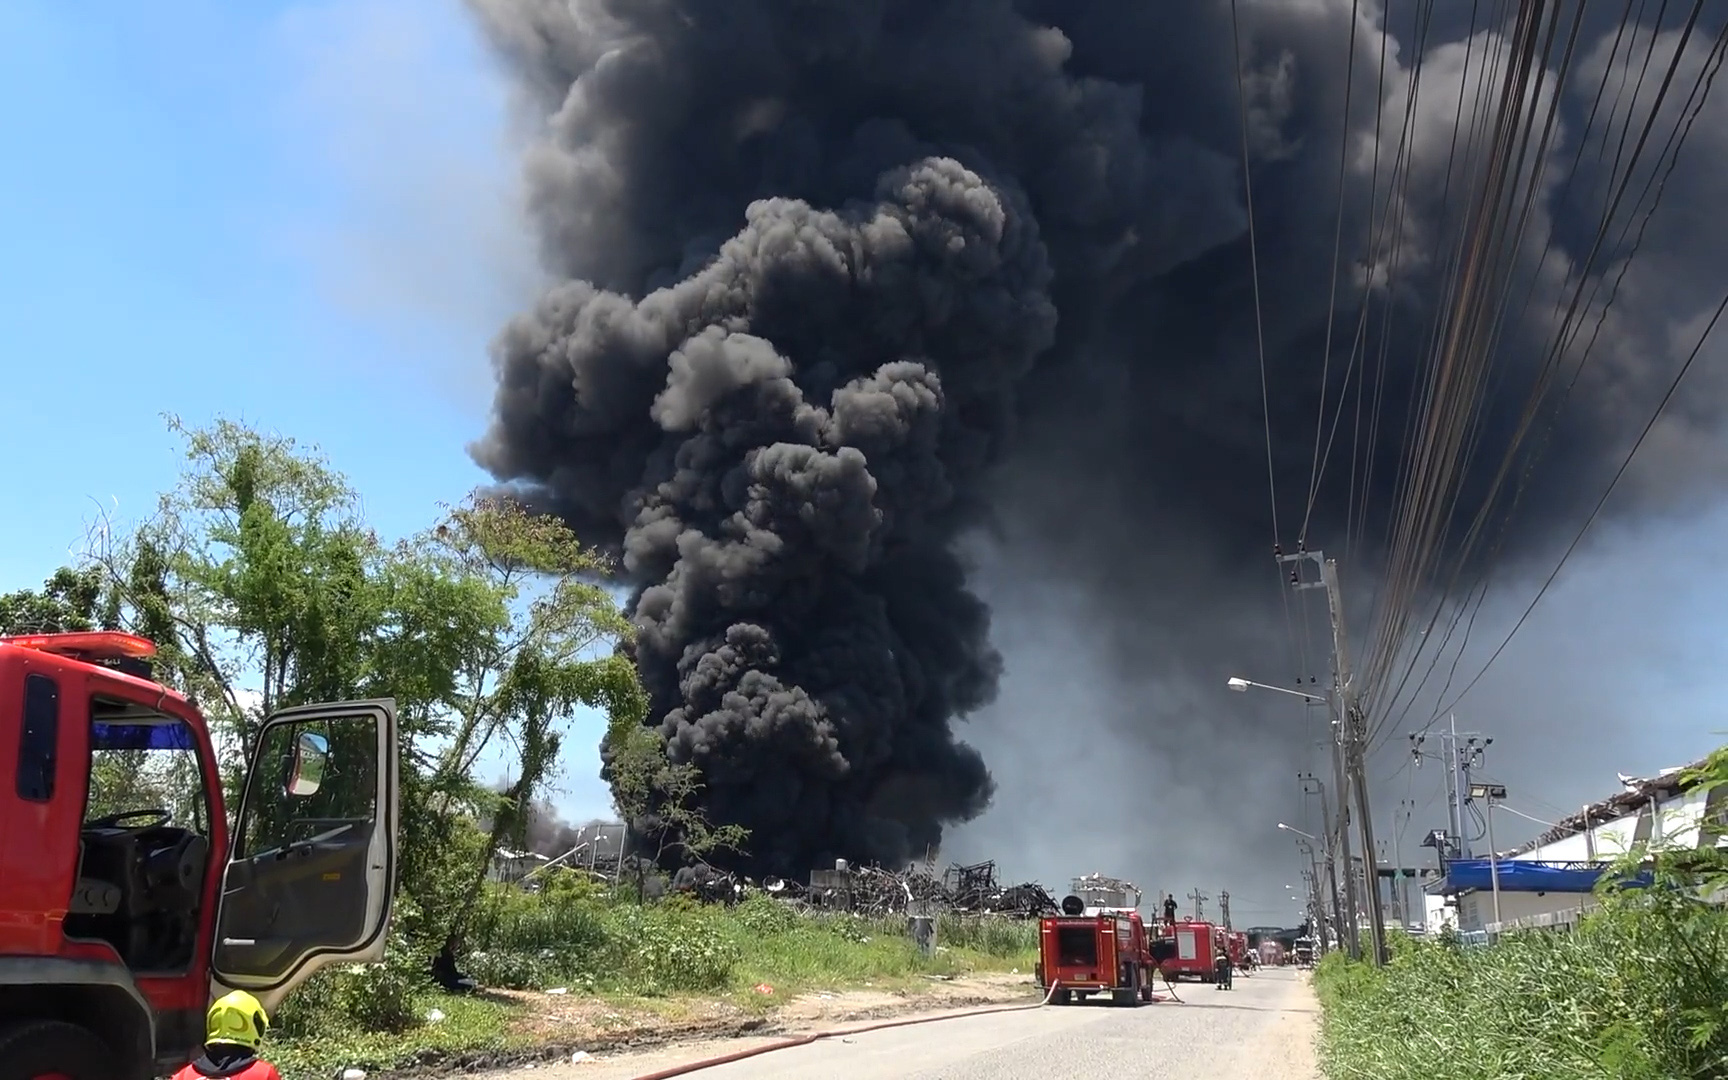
{"points": [[311, 753]]}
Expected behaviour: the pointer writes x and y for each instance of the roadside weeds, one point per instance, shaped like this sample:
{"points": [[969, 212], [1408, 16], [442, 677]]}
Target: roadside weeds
{"points": [[518, 1028]]}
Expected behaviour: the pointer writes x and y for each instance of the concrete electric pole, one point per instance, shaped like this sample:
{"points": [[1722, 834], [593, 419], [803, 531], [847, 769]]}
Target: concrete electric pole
{"points": [[1489, 793], [1400, 821], [1460, 752], [1199, 899], [1350, 742], [1224, 910], [1329, 834]]}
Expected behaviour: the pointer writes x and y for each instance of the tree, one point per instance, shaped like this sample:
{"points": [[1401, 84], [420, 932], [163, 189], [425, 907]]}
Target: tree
{"points": [[73, 599], [533, 675], [657, 797], [264, 588]]}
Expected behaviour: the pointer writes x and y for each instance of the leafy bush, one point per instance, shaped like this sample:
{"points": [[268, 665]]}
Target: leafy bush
{"points": [[1639, 991], [761, 914], [666, 949], [372, 997]]}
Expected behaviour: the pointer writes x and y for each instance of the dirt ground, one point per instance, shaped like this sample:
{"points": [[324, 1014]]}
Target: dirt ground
{"points": [[558, 1025]]}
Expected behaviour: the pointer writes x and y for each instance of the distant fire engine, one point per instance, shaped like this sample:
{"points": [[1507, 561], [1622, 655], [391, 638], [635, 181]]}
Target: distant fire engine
{"points": [[1238, 949], [1099, 944], [1194, 951]]}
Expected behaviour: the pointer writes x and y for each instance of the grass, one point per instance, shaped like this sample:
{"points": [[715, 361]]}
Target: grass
{"points": [[651, 961], [1639, 991], [471, 1025]]}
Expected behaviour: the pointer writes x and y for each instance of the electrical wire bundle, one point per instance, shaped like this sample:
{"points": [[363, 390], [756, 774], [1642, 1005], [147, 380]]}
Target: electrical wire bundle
{"points": [[1454, 493]]}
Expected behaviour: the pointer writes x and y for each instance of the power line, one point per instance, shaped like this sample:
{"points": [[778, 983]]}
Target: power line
{"points": [[1391, 640], [1337, 246], [1596, 512], [1671, 149]]}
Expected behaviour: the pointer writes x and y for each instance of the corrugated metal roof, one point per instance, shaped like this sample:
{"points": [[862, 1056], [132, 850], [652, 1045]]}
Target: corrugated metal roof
{"points": [[1617, 806]]}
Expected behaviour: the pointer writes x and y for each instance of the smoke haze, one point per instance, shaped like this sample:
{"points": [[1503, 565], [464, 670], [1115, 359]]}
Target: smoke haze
{"points": [[874, 311]]}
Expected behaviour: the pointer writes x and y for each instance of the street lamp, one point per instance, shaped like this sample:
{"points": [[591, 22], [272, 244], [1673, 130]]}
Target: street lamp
{"points": [[1298, 832], [1334, 833], [1489, 793], [1241, 686]]}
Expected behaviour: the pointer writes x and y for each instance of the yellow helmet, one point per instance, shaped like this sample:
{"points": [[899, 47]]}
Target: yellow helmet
{"points": [[236, 1019]]}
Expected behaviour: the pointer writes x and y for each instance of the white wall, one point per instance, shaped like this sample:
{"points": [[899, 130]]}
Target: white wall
{"points": [[1439, 914], [1476, 909], [1678, 821], [1569, 849], [1681, 818]]}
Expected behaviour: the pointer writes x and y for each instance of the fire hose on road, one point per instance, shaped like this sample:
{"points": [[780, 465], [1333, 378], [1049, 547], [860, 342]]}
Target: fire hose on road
{"points": [[840, 1033]]}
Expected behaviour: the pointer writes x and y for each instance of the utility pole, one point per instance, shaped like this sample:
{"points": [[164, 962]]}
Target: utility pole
{"points": [[1396, 913], [1315, 884], [1349, 750], [1331, 866], [1469, 755], [1406, 808], [1461, 751], [1489, 793], [1355, 735], [1224, 909], [1199, 899], [1316, 913]]}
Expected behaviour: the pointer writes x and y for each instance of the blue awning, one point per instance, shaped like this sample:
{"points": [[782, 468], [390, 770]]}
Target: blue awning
{"points": [[1522, 875]]}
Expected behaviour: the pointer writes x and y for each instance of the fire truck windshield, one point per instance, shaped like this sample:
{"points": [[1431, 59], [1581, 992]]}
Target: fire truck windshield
{"points": [[134, 766]]}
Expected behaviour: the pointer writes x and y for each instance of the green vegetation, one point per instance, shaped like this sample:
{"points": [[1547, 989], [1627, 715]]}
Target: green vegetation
{"points": [[1639, 991], [264, 587], [595, 941]]}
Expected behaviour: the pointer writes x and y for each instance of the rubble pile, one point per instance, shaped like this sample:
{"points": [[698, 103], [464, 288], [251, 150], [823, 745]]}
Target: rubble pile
{"points": [[860, 890], [967, 890], [707, 884]]}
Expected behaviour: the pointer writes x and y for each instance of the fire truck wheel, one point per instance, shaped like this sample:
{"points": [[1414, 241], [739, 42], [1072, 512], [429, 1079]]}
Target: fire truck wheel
{"points": [[1063, 997], [1122, 997], [52, 1050]]}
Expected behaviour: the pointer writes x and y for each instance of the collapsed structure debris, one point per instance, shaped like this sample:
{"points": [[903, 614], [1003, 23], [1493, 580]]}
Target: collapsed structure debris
{"points": [[863, 890], [707, 884], [970, 890]]}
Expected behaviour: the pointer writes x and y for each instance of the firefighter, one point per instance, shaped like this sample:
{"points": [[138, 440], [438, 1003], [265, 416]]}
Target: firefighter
{"points": [[1221, 970], [1170, 908], [233, 1029]]}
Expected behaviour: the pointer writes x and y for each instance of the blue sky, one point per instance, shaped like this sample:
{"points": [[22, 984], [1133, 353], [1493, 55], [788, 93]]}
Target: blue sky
{"points": [[301, 214], [293, 213]]}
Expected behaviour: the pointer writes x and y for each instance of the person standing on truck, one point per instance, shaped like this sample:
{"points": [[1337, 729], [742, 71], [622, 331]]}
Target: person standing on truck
{"points": [[233, 1029], [1170, 909]]}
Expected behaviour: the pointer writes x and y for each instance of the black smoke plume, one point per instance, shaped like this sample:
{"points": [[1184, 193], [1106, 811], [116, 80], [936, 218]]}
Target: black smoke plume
{"points": [[845, 282]]}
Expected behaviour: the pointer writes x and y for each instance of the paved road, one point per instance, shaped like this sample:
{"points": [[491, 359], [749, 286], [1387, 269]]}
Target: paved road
{"points": [[1262, 1030]]}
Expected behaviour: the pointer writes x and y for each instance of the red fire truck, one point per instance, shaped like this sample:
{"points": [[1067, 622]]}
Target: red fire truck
{"points": [[1196, 947], [1238, 942], [125, 902], [1098, 944]]}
